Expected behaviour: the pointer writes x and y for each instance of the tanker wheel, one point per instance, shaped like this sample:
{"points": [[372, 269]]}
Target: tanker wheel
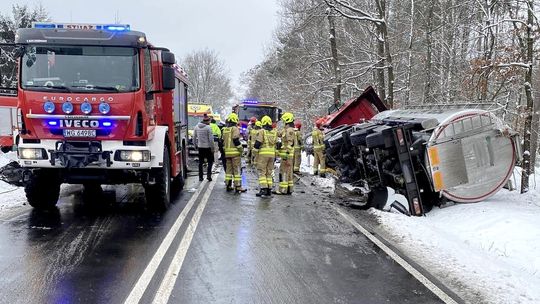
{"points": [[43, 189], [158, 195]]}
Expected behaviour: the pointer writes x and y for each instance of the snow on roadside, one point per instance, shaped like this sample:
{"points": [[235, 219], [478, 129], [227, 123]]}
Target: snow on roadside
{"points": [[10, 196], [306, 167], [489, 250]]}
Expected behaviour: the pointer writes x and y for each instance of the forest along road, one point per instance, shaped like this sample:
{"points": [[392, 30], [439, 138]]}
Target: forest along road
{"points": [[210, 247]]}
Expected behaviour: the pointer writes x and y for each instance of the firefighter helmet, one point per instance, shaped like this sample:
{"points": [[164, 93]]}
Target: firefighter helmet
{"points": [[298, 124], [232, 118], [253, 120], [266, 120], [258, 123], [287, 117]]}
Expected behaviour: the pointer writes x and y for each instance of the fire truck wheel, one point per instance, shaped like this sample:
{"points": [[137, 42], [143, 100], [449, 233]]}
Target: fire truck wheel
{"points": [[158, 195], [43, 189]]}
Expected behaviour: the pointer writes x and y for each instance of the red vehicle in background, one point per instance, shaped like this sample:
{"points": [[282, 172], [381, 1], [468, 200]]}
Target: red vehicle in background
{"points": [[97, 104], [253, 108]]}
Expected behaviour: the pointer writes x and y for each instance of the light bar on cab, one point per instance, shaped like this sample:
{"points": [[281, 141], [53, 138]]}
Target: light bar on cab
{"points": [[82, 26]]}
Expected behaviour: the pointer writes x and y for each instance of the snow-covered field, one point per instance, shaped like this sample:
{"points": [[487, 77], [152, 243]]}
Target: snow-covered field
{"points": [[10, 196], [489, 250]]}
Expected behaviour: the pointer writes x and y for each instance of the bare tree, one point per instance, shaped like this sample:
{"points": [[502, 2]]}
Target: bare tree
{"points": [[209, 79]]}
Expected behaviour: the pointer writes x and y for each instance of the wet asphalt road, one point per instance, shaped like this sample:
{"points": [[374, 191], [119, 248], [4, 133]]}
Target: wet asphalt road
{"points": [[287, 249]]}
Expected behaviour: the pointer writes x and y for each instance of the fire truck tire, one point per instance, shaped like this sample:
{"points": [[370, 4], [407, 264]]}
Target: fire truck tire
{"points": [[158, 195], [43, 189]]}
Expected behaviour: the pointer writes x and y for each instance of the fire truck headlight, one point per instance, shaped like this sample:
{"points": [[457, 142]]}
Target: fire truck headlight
{"points": [[104, 108], [86, 107], [48, 107], [133, 156], [67, 107], [32, 153]]}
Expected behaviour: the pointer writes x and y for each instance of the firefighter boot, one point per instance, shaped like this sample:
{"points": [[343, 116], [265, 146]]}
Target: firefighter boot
{"points": [[323, 175], [240, 190], [262, 192], [229, 186], [268, 192]]}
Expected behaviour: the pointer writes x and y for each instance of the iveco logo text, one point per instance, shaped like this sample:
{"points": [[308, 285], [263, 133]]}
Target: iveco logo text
{"points": [[78, 98], [78, 123]]}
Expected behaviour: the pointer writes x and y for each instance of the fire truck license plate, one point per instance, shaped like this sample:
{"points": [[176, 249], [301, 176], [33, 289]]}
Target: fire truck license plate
{"points": [[79, 133]]}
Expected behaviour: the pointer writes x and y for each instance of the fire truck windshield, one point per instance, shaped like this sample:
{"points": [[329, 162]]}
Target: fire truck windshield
{"points": [[80, 69], [245, 112]]}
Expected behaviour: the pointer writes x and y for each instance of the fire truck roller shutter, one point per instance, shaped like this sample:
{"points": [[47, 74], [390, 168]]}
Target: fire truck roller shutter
{"points": [[156, 146]]}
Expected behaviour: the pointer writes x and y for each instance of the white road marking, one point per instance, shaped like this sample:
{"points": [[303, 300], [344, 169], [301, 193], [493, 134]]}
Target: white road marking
{"points": [[142, 283], [166, 287], [415, 273]]}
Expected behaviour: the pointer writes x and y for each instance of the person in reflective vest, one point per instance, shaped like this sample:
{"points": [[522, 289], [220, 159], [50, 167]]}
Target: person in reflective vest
{"points": [[297, 147], [265, 144], [216, 132], [318, 150], [233, 151], [253, 136], [288, 140]]}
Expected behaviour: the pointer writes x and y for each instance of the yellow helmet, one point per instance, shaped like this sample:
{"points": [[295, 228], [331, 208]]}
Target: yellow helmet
{"points": [[232, 118], [266, 120], [287, 117], [258, 123]]}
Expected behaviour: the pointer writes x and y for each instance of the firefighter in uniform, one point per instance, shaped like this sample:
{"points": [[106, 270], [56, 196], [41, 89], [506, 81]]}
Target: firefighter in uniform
{"points": [[297, 147], [265, 143], [253, 136], [233, 151], [318, 150], [288, 139], [250, 139]]}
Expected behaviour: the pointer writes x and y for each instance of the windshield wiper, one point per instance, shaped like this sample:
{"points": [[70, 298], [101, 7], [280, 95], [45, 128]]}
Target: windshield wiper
{"points": [[92, 87], [60, 88]]}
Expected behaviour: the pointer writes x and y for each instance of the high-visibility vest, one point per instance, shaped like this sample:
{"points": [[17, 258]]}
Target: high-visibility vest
{"points": [[228, 145], [268, 147], [318, 140], [215, 130]]}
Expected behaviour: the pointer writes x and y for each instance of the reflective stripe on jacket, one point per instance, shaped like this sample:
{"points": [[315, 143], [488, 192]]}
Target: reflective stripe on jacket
{"points": [[318, 139], [229, 134], [268, 140]]}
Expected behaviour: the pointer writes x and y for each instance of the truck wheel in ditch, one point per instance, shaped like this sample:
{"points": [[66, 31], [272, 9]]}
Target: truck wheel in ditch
{"points": [[158, 195], [43, 189]]}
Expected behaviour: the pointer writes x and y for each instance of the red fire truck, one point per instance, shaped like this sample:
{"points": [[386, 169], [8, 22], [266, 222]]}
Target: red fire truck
{"points": [[253, 108], [97, 104]]}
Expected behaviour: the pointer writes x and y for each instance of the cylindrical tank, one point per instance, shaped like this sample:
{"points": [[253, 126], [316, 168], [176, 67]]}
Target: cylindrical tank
{"points": [[470, 153]]}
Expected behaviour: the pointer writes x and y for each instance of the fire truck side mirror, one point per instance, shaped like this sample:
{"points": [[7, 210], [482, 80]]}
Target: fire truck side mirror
{"points": [[167, 57], [168, 80]]}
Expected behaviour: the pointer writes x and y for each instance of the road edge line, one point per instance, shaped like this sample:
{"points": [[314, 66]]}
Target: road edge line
{"points": [[144, 279], [408, 267], [173, 272]]}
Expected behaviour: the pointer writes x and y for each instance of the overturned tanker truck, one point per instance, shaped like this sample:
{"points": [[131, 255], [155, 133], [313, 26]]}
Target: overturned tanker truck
{"points": [[411, 160]]}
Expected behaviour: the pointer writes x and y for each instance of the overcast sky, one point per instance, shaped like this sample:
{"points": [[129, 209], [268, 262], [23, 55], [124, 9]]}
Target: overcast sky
{"points": [[239, 30]]}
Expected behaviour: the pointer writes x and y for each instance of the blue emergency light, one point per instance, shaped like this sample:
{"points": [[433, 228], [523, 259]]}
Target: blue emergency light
{"points": [[250, 101], [82, 26]]}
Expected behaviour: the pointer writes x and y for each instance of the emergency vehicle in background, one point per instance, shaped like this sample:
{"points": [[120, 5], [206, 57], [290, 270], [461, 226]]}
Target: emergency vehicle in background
{"points": [[253, 108], [98, 104], [195, 113]]}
